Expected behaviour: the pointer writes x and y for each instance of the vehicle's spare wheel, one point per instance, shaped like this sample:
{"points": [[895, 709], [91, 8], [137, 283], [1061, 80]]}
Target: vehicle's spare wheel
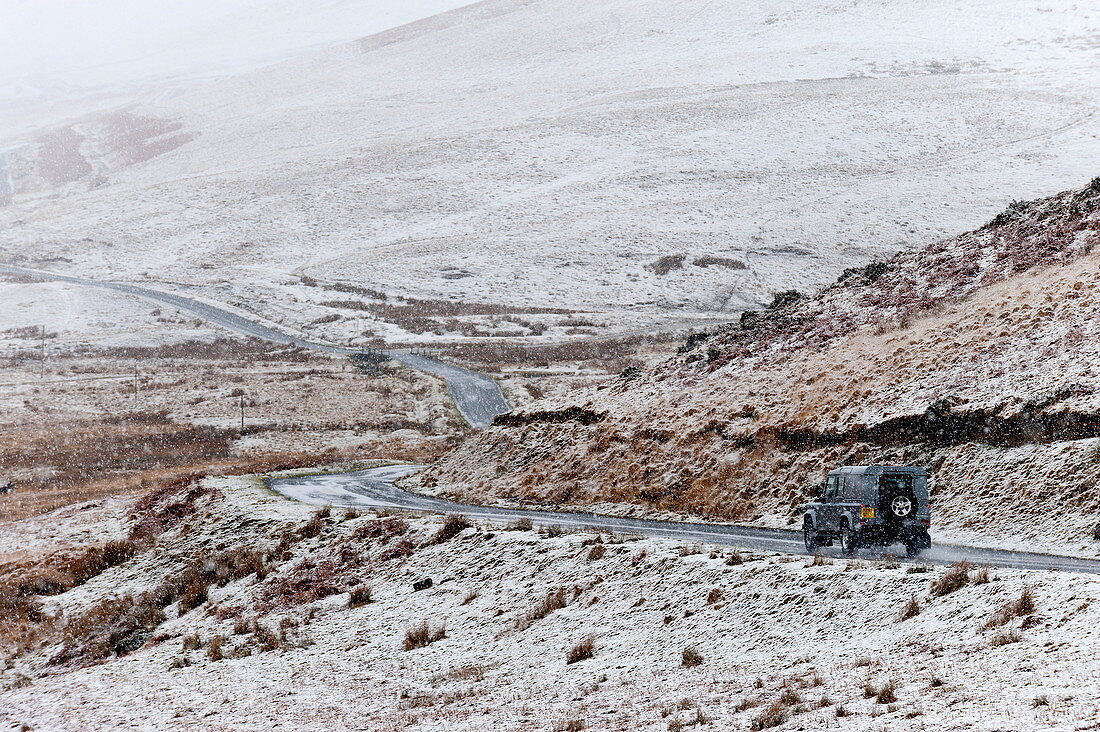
{"points": [[900, 505]]}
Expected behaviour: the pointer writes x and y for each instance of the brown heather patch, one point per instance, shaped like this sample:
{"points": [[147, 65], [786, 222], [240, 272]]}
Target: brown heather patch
{"points": [[383, 528], [345, 568], [691, 657], [111, 627], [79, 452], [225, 349], [65, 569]]}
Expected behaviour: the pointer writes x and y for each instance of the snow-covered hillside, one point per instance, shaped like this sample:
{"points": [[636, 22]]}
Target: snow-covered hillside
{"points": [[230, 609], [645, 160], [975, 356]]}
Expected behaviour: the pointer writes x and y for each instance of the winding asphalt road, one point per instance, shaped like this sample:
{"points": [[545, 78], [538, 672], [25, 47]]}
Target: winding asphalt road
{"points": [[477, 397], [374, 488]]}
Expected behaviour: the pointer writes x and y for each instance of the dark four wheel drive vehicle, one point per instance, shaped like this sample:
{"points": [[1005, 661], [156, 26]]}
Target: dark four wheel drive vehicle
{"points": [[870, 504]]}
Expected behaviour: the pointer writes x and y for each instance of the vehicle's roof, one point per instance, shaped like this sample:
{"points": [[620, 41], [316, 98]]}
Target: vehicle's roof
{"points": [[875, 469]]}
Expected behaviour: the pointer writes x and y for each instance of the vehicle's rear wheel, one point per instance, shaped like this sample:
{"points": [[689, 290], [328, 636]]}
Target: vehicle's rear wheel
{"points": [[849, 538], [809, 536], [916, 544]]}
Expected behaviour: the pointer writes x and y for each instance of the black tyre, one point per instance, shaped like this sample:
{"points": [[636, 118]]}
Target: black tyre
{"points": [[809, 536], [849, 538], [917, 543]]}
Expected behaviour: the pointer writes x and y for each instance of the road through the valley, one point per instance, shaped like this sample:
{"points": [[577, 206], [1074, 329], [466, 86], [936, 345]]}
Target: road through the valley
{"points": [[477, 397], [480, 399], [375, 489]]}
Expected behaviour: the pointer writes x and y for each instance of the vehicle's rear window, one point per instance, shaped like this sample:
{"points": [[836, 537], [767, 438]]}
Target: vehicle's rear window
{"points": [[896, 482]]}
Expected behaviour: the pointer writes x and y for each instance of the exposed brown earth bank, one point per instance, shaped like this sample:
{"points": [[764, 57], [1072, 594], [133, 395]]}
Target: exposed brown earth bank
{"points": [[975, 356]]}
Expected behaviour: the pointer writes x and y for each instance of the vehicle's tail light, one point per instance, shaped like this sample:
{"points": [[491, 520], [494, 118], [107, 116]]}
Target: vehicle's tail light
{"points": [[866, 512]]}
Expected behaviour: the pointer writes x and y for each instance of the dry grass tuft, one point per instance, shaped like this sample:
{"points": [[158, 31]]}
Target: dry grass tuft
{"points": [[691, 657], [1025, 603], [596, 552], [1022, 606], [773, 715], [911, 610], [886, 693], [453, 525], [214, 651], [419, 635], [790, 697], [466, 672], [555, 600], [581, 651], [315, 525], [360, 595], [1004, 637], [570, 725], [982, 575], [521, 524], [955, 578]]}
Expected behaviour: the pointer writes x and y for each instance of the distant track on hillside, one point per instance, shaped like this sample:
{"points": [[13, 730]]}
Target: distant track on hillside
{"points": [[375, 488], [477, 397]]}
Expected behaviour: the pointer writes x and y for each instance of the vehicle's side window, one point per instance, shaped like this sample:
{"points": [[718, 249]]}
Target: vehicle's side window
{"points": [[831, 487]]}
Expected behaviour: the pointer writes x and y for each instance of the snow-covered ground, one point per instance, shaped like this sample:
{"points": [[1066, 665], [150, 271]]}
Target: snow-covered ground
{"points": [[550, 154], [74, 316], [805, 636]]}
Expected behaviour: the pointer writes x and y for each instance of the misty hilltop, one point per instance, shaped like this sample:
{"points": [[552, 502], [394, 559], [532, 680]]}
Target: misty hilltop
{"points": [[649, 161]]}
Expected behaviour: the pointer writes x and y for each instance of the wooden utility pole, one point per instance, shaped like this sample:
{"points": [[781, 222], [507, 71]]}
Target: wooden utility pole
{"points": [[42, 351], [242, 412]]}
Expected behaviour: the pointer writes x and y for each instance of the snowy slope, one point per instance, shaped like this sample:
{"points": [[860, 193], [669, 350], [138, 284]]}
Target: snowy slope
{"points": [[546, 153], [803, 636], [975, 356]]}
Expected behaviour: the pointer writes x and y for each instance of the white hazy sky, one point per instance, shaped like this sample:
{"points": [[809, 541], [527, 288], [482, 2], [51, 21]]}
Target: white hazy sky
{"points": [[97, 42]]}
